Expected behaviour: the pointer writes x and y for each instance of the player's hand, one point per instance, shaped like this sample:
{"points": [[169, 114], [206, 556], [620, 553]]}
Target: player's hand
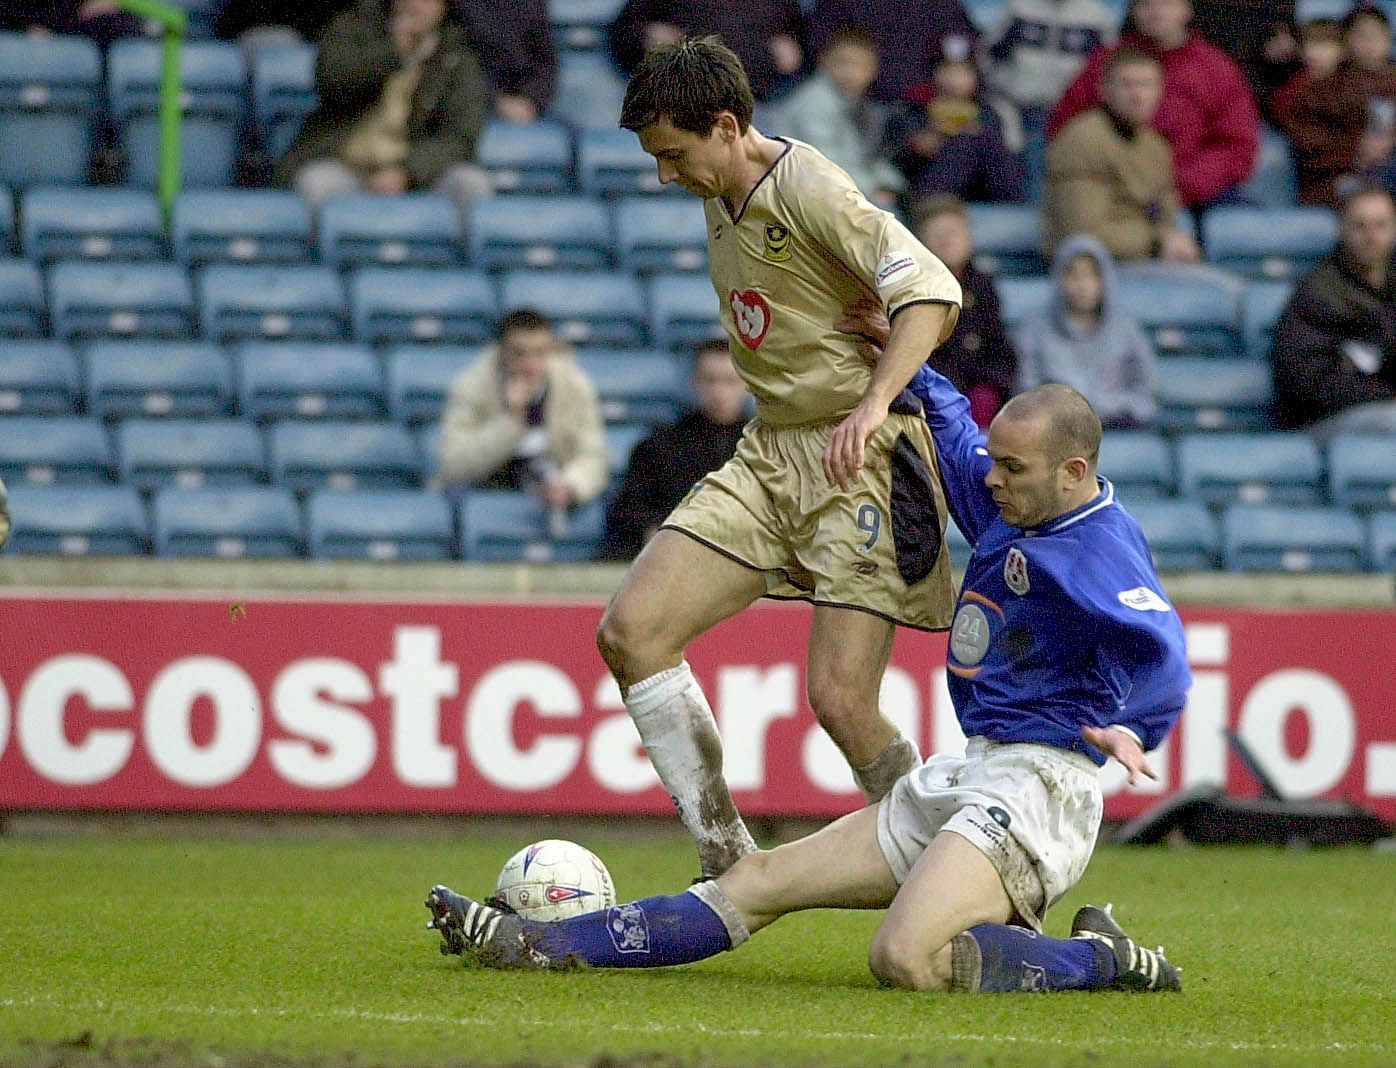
{"points": [[843, 456], [1116, 743], [866, 320]]}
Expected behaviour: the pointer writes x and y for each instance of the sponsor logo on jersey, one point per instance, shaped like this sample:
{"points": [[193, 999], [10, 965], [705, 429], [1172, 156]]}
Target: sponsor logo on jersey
{"points": [[630, 930], [1015, 571], [751, 315], [1142, 599], [896, 267], [777, 242], [556, 893]]}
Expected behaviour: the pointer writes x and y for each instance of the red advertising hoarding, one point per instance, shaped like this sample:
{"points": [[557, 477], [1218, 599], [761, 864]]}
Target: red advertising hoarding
{"points": [[122, 701]]}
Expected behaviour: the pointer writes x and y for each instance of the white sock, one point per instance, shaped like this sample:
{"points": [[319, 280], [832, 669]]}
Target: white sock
{"points": [[877, 777], [677, 728]]}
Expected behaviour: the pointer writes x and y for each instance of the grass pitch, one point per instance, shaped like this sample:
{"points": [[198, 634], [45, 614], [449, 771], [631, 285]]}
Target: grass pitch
{"points": [[217, 951]]}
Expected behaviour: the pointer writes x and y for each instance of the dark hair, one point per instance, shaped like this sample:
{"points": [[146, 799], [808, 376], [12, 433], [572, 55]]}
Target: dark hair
{"points": [[1072, 426], [923, 211], [1365, 11], [690, 84], [850, 35], [714, 344], [1322, 30], [522, 319], [1129, 56]]}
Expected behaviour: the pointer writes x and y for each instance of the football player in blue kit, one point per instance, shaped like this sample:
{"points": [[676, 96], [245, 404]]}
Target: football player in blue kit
{"points": [[1064, 652]]}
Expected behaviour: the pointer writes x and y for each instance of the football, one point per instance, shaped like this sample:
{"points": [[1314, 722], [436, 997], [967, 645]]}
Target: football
{"points": [[555, 879]]}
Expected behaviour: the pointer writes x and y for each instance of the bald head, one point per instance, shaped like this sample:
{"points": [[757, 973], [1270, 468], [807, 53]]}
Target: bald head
{"points": [[1070, 426], [1044, 445]]}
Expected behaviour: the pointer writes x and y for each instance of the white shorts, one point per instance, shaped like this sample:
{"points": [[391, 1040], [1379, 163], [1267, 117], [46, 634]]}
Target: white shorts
{"points": [[1033, 810]]}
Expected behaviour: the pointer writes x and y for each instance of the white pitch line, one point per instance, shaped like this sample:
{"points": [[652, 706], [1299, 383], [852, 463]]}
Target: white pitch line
{"points": [[370, 1016]]}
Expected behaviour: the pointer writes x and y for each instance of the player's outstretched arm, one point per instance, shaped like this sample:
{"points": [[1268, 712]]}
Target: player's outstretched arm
{"points": [[1122, 746]]}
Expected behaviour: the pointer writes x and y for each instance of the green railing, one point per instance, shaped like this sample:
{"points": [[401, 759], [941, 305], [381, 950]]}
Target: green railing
{"points": [[174, 22]]}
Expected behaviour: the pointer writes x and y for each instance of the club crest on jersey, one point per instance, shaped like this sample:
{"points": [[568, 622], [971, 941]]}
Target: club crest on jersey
{"points": [[1015, 571], [630, 930], [751, 315], [777, 242]]}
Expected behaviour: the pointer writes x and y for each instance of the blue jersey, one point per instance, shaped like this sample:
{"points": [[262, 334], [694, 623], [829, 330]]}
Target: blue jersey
{"points": [[1059, 626]]}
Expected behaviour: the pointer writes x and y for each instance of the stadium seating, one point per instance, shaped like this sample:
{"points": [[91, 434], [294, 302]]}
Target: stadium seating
{"points": [[505, 525], [77, 521], [1183, 314], [1272, 183], [1182, 534], [1022, 298], [419, 379], [527, 231], [190, 453], [338, 454], [227, 521], [621, 439], [534, 158], [421, 229], [1381, 548], [1007, 238], [1271, 242], [611, 163], [661, 234], [1250, 468], [1362, 470], [1203, 393], [582, 24], [1262, 303], [428, 441], [399, 304], [586, 307], [44, 450], [98, 224], [7, 222], [292, 303], [1261, 538], [684, 310], [1139, 463], [636, 386], [589, 90], [308, 380], [37, 378], [120, 300], [21, 299], [283, 93], [49, 87], [187, 379], [383, 525], [240, 226]]}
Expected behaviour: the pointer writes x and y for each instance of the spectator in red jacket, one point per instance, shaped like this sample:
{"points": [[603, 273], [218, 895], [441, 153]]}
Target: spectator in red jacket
{"points": [[1208, 115]]}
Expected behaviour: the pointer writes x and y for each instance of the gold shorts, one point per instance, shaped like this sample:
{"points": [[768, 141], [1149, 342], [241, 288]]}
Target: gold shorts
{"points": [[878, 547]]}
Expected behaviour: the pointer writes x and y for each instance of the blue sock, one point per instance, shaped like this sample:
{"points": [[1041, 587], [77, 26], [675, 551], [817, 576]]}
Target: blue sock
{"points": [[1014, 958], [650, 933]]}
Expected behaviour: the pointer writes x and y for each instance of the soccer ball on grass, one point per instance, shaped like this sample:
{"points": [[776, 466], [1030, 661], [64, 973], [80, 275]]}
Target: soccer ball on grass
{"points": [[555, 879]]}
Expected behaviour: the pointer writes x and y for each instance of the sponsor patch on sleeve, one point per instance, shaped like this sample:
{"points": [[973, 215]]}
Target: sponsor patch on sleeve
{"points": [[895, 268], [1143, 599]]}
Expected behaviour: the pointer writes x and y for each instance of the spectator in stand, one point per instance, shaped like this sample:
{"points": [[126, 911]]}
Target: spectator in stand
{"points": [[908, 37], [1372, 77], [1109, 172], [953, 143], [102, 20], [1084, 341], [832, 111], [524, 416], [767, 36], [1258, 35], [1207, 114], [1320, 121], [1040, 46], [1334, 352], [668, 463], [978, 357], [402, 101], [514, 43]]}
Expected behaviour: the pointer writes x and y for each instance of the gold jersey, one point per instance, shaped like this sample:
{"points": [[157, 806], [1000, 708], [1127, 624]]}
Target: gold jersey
{"points": [[805, 246]]}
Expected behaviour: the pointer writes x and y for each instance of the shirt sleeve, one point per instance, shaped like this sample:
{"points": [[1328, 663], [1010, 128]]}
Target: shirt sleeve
{"points": [[964, 461]]}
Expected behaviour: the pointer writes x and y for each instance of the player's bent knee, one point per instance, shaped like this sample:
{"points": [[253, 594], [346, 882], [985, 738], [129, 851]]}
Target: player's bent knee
{"points": [[905, 966]]}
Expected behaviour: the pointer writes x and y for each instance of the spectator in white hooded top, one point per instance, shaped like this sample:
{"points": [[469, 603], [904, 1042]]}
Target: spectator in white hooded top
{"points": [[1039, 46]]}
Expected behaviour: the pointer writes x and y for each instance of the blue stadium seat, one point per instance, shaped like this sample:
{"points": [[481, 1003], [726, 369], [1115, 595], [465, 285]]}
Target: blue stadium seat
{"points": [[1267, 538], [1184, 314], [582, 24], [589, 90], [37, 378], [428, 439], [338, 454], [661, 234], [302, 303], [7, 222], [586, 307], [1272, 183], [1021, 298], [1361, 470], [21, 299], [1381, 548], [531, 157], [1007, 238], [1308, 10], [1182, 534], [241, 226], [227, 521], [1250, 468], [528, 231], [505, 525], [190, 453], [1138, 462], [77, 521], [186, 379], [120, 300], [308, 380], [49, 87], [381, 525], [283, 93], [1262, 303], [636, 386], [684, 310], [611, 163], [422, 229], [1268, 242], [97, 224], [1203, 393], [398, 304], [621, 439], [985, 13], [419, 378], [49, 449]]}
